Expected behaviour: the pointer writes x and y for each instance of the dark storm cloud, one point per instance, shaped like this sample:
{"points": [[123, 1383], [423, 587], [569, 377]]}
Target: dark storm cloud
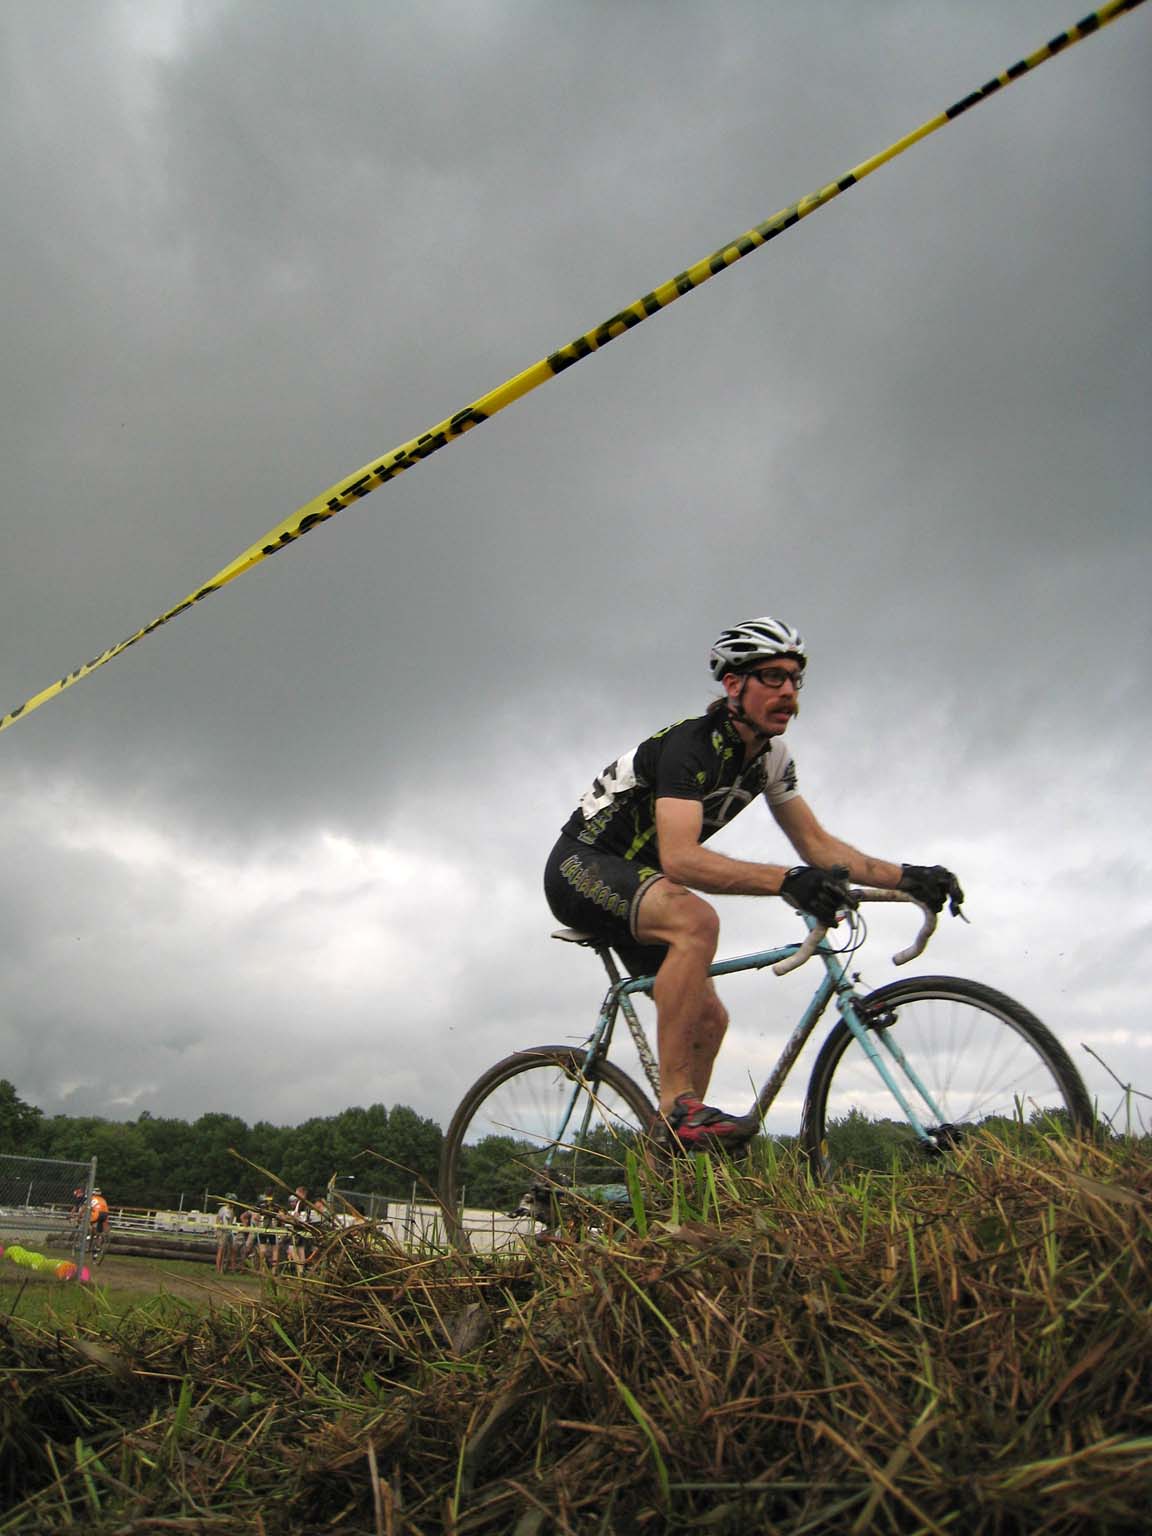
{"points": [[252, 246]]}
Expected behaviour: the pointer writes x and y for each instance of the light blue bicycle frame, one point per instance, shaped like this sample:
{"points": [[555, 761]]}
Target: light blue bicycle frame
{"points": [[835, 983]]}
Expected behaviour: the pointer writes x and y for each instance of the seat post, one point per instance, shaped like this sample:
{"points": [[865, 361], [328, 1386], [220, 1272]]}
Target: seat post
{"points": [[590, 941], [609, 959]]}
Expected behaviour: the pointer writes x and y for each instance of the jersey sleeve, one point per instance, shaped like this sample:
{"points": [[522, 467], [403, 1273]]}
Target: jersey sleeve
{"points": [[780, 781], [679, 769]]}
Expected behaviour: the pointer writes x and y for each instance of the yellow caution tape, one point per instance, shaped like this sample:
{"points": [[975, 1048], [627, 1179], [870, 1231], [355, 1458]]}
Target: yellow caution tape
{"points": [[343, 494]]}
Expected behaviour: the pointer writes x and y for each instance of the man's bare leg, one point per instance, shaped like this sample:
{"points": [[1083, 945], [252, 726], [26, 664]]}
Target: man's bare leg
{"points": [[690, 1018]]}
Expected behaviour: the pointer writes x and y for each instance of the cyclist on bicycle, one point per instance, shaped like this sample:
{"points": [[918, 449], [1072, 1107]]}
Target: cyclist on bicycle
{"points": [[97, 1215], [630, 859]]}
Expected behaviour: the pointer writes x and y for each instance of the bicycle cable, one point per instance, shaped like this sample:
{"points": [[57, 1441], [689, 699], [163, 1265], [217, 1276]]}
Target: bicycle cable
{"points": [[857, 935]]}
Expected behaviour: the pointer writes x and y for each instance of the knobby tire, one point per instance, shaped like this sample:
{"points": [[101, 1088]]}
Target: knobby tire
{"points": [[514, 1100], [984, 1055]]}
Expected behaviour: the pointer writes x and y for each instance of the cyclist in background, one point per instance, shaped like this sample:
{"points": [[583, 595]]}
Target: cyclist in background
{"points": [[97, 1218], [630, 860]]}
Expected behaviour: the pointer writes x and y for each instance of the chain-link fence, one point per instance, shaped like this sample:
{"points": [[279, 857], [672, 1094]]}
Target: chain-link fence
{"points": [[44, 1211]]}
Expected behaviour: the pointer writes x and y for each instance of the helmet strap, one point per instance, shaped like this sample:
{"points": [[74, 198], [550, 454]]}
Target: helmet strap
{"points": [[736, 710]]}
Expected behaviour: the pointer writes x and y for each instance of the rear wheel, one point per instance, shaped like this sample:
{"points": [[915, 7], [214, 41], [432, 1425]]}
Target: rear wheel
{"points": [[536, 1119], [985, 1060]]}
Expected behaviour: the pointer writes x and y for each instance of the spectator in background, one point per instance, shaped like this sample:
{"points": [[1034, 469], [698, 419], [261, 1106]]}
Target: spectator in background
{"points": [[245, 1237], [267, 1237], [317, 1217], [298, 1211], [227, 1243]]}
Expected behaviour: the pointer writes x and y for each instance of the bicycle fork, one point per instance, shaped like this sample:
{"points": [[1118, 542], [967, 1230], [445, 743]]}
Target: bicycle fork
{"points": [[866, 1035]]}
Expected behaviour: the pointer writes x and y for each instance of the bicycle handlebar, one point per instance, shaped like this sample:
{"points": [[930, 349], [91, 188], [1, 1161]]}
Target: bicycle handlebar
{"points": [[866, 893], [803, 954]]}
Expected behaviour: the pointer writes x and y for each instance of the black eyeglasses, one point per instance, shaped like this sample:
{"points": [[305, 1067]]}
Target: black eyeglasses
{"points": [[777, 677]]}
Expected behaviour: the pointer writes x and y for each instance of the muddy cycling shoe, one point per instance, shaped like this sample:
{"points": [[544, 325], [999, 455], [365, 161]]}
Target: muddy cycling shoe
{"points": [[696, 1127]]}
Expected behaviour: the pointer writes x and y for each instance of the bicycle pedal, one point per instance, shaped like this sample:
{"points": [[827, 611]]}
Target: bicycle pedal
{"points": [[666, 1145]]}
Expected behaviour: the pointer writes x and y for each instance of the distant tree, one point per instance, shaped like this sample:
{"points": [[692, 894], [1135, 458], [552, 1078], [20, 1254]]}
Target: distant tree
{"points": [[19, 1122], [856, 1140], [409, 1149], [269, 1148], [126, 1166], [493, 1173], [356, 1131], [173, 1147], [213, 1139], [161, 1162], [310, 1155]]}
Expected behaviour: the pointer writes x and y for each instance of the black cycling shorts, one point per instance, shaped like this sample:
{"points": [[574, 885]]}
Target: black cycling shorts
{"points": [[600, 893]]}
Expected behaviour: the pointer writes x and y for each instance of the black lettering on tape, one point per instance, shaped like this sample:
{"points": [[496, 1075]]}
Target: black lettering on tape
{"points": [[470, 417], [570, 354], [721, 259], [385, 471], [958, 107], [427, 444], [618, 324], [289, 536], [780, 223]]}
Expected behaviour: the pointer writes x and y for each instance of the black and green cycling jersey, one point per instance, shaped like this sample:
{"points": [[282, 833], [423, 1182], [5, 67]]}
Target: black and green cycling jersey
{"points": [[701, 759]]}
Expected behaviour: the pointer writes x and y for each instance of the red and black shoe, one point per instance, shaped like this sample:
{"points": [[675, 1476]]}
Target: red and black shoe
{"points": [[697, 1127]]}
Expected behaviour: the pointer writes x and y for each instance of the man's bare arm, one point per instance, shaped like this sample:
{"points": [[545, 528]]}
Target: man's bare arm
{"points": [[678, 827], [819, 848]]}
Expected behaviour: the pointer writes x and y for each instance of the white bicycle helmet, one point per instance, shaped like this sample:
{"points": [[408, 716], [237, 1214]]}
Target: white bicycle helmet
{"points": [[753, 642]]}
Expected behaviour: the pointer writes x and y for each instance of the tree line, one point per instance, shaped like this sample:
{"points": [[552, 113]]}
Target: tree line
{"points": [[155, 1162], [158, 1162]]}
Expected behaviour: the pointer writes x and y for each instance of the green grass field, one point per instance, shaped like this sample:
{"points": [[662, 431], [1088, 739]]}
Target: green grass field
{"points": [[118, 1286]]}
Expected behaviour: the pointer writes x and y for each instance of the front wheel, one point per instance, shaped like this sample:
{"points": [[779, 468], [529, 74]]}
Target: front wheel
{"points": [[984, 1060], [537, 1118]]}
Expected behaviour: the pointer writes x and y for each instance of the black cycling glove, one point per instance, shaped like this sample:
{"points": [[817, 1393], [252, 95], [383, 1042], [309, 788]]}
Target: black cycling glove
{"points": [[819, 892], [933, 885]]}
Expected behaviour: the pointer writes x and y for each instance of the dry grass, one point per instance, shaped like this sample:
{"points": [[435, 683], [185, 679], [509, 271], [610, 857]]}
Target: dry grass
{"points": [[965, 1350]]}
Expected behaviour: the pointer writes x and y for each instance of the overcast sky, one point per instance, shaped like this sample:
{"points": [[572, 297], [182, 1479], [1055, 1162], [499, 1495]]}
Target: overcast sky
{"points": [[285, 855]]}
